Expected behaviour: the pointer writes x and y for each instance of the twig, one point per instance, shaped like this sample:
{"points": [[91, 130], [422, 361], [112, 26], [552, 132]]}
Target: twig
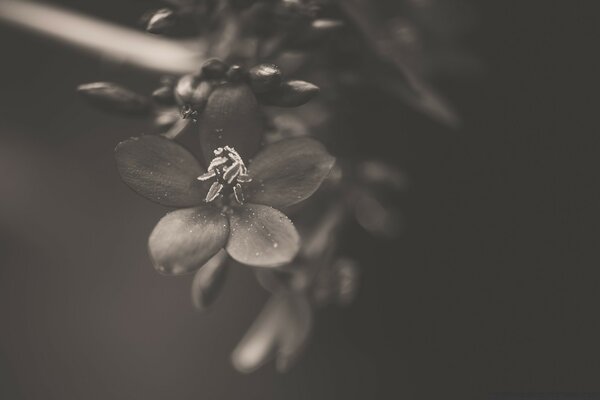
{"points": [[118, 43]]}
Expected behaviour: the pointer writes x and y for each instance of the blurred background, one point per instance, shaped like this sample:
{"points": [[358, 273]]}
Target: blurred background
{"points": [[491, 288]]}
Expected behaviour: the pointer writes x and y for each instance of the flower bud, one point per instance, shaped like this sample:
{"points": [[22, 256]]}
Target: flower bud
{"points": [[164, 95], [185, 88], [235, 73], [193, 92], [326, 25], [112, 97], [161, 20], [290, 94], [214, 69], [264, 78]]}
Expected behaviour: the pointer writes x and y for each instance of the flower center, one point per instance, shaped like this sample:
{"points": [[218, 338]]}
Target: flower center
{"points": [[227, 170]]}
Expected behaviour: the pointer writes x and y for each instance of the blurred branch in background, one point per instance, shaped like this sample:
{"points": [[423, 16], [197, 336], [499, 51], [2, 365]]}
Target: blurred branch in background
{"points": [[120, 44], [385, 41]]}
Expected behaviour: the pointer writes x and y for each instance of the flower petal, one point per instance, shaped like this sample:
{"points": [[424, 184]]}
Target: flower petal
{"points": [[288, 172], [231, 118], [281, 328], [260, 342], [160, 170], [295, 332], [261, 236], [183, 240], [209, 280]]}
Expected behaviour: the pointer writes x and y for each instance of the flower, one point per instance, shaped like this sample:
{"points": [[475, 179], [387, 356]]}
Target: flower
{"points": [[228, 206]]}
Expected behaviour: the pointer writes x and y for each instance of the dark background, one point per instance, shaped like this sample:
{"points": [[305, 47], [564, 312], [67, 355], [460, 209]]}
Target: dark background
{"points": [[492, 288]]}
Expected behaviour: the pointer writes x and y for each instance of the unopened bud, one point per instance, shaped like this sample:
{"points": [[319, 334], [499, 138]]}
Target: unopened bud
{"points": [[193, 92], [235, 73], [185, 88], [326, 25], [112, 97], [264, 78], [161, 20], [290, 94], [214, 69]]}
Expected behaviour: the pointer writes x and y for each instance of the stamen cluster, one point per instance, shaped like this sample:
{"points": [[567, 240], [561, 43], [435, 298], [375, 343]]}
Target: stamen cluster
{"points": [[229, 171]]}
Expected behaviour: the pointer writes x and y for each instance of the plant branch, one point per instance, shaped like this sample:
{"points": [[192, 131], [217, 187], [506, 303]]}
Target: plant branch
{"points": [[118, 43]]}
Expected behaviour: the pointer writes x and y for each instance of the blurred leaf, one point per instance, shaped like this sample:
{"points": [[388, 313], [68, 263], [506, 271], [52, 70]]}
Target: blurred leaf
{"points": [[410, 86]]}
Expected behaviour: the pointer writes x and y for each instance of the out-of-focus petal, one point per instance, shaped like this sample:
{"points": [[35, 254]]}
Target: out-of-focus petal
{"points": [[160, 170], [295, 332], [259, 343], [231, 118], [209, 280], [379, 173], [374, 216], [288, 172], [281, 328], [261, 236], [183, 240]]}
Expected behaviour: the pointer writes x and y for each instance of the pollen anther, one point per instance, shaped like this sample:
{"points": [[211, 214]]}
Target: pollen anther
{"points": [[228, 170]]}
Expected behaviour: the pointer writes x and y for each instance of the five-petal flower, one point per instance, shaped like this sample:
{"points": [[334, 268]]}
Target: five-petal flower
{"points": [[255, 233]]}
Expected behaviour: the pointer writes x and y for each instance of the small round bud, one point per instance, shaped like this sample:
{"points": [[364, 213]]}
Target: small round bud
{"points": [[200, 95], [235, 73], [185, 88], [326, 25], [214, 69], [290, 94], [161, 20], [192, 94], [264, 78]]}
